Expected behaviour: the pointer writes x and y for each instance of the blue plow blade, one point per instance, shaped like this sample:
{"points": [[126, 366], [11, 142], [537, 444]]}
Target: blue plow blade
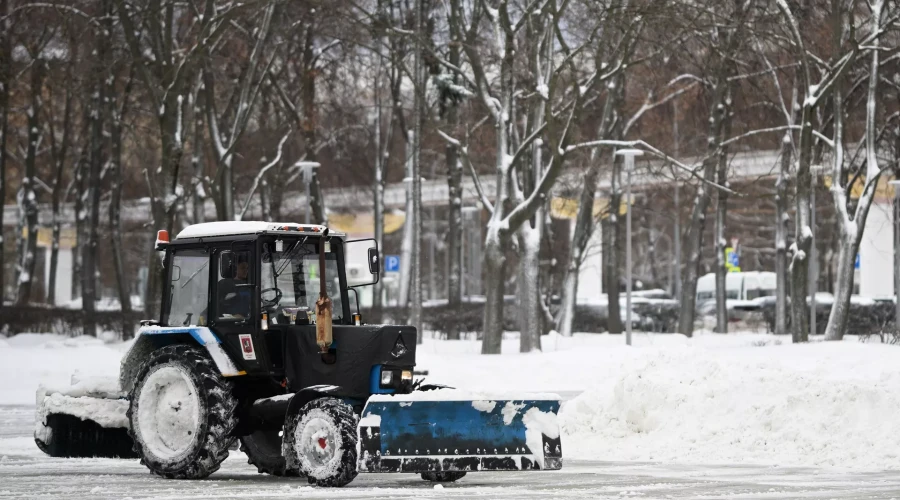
{"points": [[402, 434]]}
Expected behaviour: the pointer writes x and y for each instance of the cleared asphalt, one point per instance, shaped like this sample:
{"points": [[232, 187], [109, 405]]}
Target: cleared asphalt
{"points": [[26, 473]]}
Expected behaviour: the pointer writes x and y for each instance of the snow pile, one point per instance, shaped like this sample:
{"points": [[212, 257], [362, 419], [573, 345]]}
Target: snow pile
{"points": [[739, 398], [820, 405], [29, 360]]}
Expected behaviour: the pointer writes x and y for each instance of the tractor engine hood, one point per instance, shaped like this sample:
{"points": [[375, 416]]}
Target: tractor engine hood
{"points": [[354, 352]]}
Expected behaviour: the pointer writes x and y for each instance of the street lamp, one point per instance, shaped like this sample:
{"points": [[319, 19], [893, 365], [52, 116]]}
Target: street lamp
{"points": [[896, 184], [629, 155], [813, 264], [306, 175]]}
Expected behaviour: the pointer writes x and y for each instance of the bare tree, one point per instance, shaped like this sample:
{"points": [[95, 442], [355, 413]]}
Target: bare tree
{"points": [[721, 214], [98, 89], [724, 41], [454, 176], [851, 226], [5, 78], [166, 49], [59, 150], [240, 109], [814, 94], [26, 199]]}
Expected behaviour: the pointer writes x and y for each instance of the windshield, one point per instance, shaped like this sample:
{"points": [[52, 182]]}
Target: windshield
{"points": [[294, 272]]}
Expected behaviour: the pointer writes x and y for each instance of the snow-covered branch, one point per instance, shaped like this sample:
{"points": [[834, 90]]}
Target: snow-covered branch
{"points": [[262, 173]]}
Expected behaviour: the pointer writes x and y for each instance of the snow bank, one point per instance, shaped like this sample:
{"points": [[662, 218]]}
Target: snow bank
{"points": [[747, 398], [819, 405], [30, 360], [730, 399]]}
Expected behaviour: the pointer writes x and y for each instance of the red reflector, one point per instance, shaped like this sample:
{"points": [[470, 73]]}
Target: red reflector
{"points": [[162, 236]]}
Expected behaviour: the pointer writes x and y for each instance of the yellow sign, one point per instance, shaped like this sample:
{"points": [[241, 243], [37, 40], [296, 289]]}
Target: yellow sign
{"points": [[364, 223], [883, 191], [567, 208], [67, 237], [731, 261]]}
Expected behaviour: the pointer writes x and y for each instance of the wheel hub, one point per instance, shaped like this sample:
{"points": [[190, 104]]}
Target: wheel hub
{"points": [[168, 412], [317, 443]]}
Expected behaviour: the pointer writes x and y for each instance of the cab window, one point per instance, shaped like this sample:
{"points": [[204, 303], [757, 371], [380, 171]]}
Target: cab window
{"points": [[234, 291], [290, 277], [188, 289]]}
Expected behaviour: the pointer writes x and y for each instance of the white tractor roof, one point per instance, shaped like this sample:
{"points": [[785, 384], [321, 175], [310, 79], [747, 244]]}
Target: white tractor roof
{"points": [[227, 228]]}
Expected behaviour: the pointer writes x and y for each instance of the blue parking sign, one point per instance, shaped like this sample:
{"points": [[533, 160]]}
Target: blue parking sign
{"points": [[391, 263]]}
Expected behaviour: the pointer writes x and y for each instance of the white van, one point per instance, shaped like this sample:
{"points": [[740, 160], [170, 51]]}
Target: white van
{"points": [[738, 286]]}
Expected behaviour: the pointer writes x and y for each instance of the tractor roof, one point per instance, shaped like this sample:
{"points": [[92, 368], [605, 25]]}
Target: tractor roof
{"points": [[234, 228]]}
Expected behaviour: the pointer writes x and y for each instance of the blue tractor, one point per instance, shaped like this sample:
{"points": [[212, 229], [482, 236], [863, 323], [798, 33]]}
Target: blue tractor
{"points": [[257, 342]]}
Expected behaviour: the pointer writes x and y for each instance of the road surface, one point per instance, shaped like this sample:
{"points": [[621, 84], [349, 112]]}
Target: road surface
{"points": [[26, 473]]}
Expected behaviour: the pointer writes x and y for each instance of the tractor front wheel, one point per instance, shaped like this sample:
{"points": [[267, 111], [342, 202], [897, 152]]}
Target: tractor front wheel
{"points": [[320, 440], [181, 413]]}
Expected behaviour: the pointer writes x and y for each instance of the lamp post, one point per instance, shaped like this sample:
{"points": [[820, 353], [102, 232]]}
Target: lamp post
{"points": [[896, 213], [306, 175], [629, 155], [813, 264]]}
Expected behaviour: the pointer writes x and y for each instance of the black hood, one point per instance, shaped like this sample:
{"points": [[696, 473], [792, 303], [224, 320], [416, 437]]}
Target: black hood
{"points": [[357, 349]]}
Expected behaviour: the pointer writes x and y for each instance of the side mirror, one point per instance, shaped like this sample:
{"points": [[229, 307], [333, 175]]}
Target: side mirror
{"points": [[374, 261]]}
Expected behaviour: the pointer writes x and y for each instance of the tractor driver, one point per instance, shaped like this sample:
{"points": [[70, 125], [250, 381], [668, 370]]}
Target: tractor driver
{"points": [[234, 299]]}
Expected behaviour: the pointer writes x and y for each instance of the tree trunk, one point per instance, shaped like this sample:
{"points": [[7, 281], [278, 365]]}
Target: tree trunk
{"points": [[5, 70], [310, 122], [718, 115], [612, 259], [781, 230], [116, 116], [837, 318], [721, 242], [528, 286], [378, 189], [494, 290], [584, 229], [60, 157], [198, 198], [27, 201], [406, 246], [851, 230], [164, 196], [802, 234], [454, 188], [97, 158]]}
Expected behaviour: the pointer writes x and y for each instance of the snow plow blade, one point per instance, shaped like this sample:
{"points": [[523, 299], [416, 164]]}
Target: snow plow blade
{"points": [[445, 431], [87, 419]]}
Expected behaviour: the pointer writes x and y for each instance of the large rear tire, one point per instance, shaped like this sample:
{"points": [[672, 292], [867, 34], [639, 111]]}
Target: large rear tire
{"points": [[320, 440], [181, 413], [443, 476], [263, 449]]}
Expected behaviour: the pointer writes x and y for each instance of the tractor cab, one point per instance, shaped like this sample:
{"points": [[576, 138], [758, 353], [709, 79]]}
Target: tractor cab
{"points": [[257, 287]]}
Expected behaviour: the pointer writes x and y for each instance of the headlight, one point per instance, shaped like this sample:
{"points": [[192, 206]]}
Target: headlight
{"points": [[406, 376], [387, 377]]}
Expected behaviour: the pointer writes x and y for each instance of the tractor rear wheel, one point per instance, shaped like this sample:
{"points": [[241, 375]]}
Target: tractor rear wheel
{"points": [[320, 440], [443, 476], [263, 449], [181, 413]]}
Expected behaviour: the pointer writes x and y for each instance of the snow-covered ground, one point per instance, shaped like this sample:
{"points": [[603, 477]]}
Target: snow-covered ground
{"points": [[713, 399]]}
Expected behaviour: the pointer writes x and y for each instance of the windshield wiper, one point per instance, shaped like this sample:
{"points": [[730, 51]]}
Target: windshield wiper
{"points": [[195, 273], [287, 256]]}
